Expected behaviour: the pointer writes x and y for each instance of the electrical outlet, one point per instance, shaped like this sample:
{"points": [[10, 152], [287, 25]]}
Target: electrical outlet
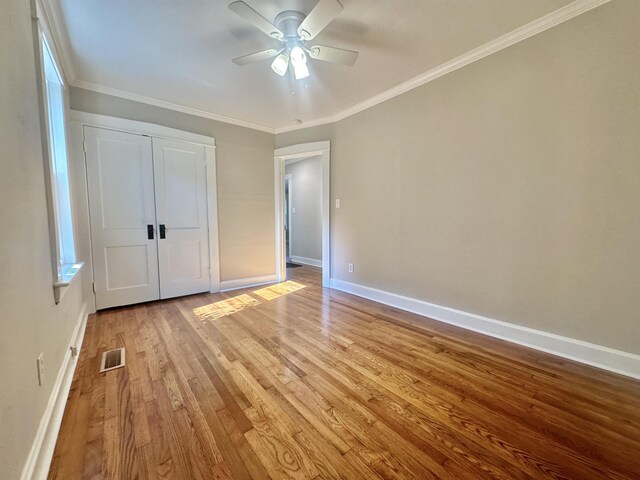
{"points": [[40, 362], [351, 268]]}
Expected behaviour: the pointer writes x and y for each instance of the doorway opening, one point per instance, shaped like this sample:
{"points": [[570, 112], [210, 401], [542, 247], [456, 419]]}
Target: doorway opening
{"points": [[302, 190], [303, 212]]}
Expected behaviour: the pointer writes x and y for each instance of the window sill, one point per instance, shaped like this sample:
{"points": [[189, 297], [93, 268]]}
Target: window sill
{"points": [[67, 274]]}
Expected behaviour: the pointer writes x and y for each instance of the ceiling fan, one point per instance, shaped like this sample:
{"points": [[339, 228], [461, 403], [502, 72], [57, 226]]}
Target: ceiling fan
{"points": [[294, 30]]}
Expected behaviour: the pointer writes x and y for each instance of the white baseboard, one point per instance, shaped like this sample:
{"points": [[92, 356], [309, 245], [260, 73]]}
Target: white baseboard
{"points": [[307, 261], [41, 454], [596, 355], [228, 285]]}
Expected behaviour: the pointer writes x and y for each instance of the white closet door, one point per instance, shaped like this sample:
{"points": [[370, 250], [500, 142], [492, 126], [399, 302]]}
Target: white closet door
{"points": [[181, 210], [122, 208]]}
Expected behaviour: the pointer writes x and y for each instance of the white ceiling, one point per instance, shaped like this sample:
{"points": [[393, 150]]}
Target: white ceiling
{"points": [[180, 51]]}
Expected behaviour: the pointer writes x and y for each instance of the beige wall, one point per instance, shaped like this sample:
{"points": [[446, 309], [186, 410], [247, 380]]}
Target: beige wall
{"points": [[509, 188], [306, 222], [245, 180], [30, 322]]}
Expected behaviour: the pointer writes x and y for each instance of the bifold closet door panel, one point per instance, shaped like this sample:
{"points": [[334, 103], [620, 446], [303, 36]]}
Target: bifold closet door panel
{"points": [[181, 210], [122, 217]]}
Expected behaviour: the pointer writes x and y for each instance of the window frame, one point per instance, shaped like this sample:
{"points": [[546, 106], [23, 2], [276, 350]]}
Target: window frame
{"points": [[55, 140]]}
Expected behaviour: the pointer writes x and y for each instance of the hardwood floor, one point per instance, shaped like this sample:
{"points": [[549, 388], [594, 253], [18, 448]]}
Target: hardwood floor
{"points": [[294, 381]]}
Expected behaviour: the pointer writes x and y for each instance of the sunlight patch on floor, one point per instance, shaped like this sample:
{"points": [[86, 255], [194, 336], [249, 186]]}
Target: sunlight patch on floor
{"points": [[226, 307], [275, 291]]}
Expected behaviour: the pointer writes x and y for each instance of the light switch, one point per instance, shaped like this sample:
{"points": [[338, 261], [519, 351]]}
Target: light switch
{"points": [[337, 203]]}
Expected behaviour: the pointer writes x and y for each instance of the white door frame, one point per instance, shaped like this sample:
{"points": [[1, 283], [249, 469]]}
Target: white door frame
{"points": [[281, 155], [289, 177], [76, 152]]}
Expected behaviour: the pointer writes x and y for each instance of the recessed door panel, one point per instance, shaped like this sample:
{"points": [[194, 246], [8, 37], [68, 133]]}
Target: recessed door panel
{"points": [[122, 207], [184, 261], [181, 187], [115, 188], [181, 209], [127, 266]]}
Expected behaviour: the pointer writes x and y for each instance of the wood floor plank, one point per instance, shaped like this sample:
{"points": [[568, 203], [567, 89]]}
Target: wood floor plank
{"points": [[297, 381]]}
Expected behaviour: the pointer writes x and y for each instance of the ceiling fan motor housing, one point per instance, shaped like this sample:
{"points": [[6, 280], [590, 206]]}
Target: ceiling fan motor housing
{"points": [[288, 23]]}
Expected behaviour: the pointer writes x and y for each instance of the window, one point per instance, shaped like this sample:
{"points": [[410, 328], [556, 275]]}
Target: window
{"points": [[60, 198]]}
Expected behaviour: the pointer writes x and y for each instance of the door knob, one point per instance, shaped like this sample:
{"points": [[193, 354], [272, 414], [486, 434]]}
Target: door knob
{"points": [[163, 231], [150, 232]]}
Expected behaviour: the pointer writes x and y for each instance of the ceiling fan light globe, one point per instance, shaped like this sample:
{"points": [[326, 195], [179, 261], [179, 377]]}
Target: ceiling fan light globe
{"points": [[298, 57], [301, 71], [280, 64]]}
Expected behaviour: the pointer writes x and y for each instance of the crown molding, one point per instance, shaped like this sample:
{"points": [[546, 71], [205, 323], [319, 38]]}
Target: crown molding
{"points": [[169, 105], [561, 15], [312, 123], [572, 10]]}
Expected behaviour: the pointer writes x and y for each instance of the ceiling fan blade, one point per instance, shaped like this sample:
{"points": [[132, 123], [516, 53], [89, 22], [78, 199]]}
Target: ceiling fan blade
{"points": [[255, 57], [257, 20], [334, 55], [320, 17]]}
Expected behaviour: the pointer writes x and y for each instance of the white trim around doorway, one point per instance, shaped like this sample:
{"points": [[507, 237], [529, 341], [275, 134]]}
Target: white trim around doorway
{"points": [[299, 151]]}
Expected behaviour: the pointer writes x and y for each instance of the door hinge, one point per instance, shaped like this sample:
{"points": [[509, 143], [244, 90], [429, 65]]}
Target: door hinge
{"points": [[93, 284], [84, 146]]}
